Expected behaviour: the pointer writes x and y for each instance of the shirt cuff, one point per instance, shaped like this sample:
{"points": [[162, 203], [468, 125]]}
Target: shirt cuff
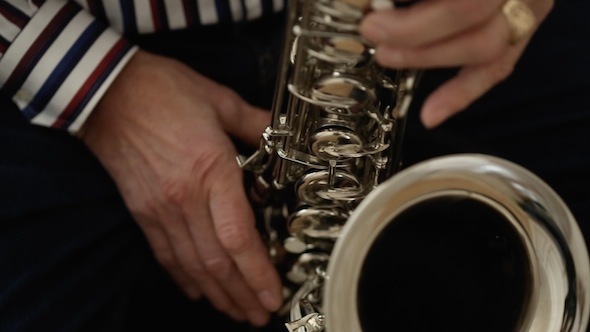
{"points": [[60, 65]]}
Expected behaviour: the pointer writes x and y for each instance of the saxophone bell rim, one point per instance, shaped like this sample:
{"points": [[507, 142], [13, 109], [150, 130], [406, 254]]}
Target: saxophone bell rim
{"points": [[524, 199]]}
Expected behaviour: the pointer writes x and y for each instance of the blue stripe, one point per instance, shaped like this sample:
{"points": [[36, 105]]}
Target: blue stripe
{"points": [[163, 15], [16, 13], [14, 83], [97, 8], [224, 11], [64, 68], [97, 84], [190, 6], [267, 7], [129, 19]]}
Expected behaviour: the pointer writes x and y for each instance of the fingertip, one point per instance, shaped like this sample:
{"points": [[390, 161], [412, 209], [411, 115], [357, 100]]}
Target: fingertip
{"points": [[269, 300], [193, 293], [431, 117]]}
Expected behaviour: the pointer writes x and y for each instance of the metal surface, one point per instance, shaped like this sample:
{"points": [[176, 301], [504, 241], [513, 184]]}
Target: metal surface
{"points": [[560, 272], [337, 125]]}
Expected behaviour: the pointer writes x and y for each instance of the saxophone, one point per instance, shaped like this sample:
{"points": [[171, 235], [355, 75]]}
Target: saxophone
{"points": [[333, 200]]}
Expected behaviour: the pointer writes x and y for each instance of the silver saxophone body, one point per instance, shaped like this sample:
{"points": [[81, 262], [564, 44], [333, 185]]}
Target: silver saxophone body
{"points": [[337, 208]]}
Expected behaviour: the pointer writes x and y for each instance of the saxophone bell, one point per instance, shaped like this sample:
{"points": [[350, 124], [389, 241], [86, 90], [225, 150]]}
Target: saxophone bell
{"points": [[459, 242]]}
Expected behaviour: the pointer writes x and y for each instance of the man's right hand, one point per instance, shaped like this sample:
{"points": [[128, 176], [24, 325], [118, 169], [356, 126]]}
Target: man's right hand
{"points": [[161, 131]]}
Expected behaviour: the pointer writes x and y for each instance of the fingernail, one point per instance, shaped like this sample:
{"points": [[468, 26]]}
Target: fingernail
{"points": [[270, 302]]}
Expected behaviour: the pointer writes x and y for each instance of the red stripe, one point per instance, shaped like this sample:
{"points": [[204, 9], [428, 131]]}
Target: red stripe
{"points": [[39, 46], [74, 104], [189, 8], [156, 15], [12, 17]]}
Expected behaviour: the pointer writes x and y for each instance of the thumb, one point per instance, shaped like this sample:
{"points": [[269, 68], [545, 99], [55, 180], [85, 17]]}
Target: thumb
{"points": [[247, 124]]}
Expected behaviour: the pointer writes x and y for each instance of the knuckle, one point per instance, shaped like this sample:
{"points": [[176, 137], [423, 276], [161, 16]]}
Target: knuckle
{"points": [[473, 11], [144, 208], [218, 266], [196, 272], [481, 50], [207, 167], [211, 165], [165, 258], [500, 71], [174, 191], [228, 102], [234, 238]]}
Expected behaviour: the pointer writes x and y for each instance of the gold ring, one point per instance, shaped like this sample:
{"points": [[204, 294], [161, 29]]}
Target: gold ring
{"points": [[520, 18]]}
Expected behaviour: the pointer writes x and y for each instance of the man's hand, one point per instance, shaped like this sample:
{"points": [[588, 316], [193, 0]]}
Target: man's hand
{"points": [[471, 34], [161, 131]]}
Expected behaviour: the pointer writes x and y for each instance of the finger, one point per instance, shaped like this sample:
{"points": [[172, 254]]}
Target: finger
{"points": [[219, 299], [235, 227], [479, 45], [470, 83], [427, 21], [165, 257], [185, 253], [246, 299], [249, 124], [219, 264], [237, 117]]}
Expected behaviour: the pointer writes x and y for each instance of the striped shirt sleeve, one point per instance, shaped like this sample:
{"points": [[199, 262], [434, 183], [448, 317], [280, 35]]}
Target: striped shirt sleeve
{"points": [[57, 60]]}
